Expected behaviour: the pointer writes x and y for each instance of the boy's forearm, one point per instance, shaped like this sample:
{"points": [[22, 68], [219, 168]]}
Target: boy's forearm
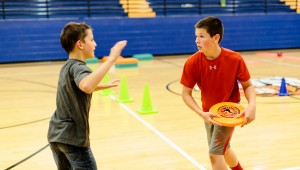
{"points": [[191, 103], [99, 87], [250, 96], [100, 72], [90, 82]]}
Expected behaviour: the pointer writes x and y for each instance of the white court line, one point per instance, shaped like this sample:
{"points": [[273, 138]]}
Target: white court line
{"points": [[182, 152], [292, 168], [280, 63], [28, 74]]}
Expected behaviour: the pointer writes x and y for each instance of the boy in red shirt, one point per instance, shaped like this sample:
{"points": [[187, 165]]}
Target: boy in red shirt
{"points": [[216, 71]]}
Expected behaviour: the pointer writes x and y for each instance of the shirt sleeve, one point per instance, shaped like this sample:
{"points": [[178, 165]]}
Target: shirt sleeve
{"points": [[243, 73], [188, 77], [80, 72]]}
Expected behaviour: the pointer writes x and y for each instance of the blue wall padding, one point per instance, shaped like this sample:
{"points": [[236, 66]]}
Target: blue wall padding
{"points": [[38, 40]]}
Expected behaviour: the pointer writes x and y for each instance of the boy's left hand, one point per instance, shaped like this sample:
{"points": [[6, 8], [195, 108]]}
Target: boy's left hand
{"points": [[112, 83], [249, 115]]}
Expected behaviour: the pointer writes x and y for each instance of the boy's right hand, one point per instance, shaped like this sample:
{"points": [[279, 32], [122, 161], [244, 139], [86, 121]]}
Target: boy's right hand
{"points": [[207, 116], [116, 50]]}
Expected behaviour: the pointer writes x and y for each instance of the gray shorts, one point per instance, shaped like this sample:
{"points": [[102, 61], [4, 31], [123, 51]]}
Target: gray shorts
{"points": [[218, 138]]}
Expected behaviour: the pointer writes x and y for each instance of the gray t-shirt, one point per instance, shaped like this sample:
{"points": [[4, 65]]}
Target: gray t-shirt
{"points": [[70, 121]]}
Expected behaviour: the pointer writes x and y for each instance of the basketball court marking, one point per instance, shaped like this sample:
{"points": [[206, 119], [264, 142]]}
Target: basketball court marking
{"points": [[171, 143], [292, 168], [280, 63], [274, 55], [26, 74]]}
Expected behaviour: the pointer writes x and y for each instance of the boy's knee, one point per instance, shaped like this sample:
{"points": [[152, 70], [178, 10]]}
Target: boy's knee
{"points": [[214, 158]]}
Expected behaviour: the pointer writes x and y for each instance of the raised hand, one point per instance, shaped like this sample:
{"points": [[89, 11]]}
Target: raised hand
{"points": [[116, 50]]}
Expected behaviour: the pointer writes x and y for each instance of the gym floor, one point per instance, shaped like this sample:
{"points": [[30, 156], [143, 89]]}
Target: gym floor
{"points": [[173, 138]]}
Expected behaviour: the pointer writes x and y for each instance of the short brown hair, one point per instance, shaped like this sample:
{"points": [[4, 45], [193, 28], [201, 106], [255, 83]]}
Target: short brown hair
{"points": [[71, 33], [212, 25]]}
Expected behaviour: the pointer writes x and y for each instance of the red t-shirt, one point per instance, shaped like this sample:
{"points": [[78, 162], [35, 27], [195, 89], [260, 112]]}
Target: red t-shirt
{"points": [[217, 79]]}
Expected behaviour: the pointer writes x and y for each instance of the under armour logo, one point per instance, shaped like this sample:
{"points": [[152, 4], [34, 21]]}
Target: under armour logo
{"points": [[213, 67]]}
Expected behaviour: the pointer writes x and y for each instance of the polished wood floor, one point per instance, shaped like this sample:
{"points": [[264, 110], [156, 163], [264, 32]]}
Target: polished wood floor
{"points": [[172, 139]]}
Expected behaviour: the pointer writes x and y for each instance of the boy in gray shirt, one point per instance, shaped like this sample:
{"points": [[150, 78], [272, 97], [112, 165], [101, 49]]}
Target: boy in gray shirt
{"points": [[68, 133]]}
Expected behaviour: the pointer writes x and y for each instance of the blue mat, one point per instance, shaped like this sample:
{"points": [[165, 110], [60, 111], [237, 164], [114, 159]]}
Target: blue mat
{"points": [[143, 56], [92, 60]]}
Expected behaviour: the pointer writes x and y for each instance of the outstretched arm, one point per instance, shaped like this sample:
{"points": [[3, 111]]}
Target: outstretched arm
{"points": [[113, 83], [90, 82]]}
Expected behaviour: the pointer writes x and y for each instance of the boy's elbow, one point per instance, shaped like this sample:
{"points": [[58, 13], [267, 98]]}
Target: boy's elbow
{"points": [[185, 96], [86, 88], [88, 91]]}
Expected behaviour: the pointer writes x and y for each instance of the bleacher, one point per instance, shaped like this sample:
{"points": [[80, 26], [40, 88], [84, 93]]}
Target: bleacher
{"points": [[106, 8], [19, 9], [258, 6], [30, 29], [188, 7]]}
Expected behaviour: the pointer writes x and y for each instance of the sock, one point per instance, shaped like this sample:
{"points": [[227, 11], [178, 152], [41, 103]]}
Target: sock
{"points": [[237, 167]]}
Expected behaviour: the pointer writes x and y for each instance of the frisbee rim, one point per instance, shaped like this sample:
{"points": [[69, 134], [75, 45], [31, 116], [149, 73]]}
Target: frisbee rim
{"points": [[225, 121]]}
